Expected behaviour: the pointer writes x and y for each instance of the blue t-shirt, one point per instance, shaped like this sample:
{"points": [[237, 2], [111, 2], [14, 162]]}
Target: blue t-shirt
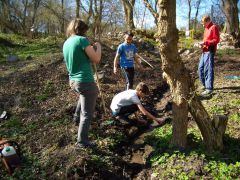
{"points": [[127, 53]]}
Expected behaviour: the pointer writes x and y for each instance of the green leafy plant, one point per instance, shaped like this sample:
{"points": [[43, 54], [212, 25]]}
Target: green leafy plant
{"points": [[48, 89]]}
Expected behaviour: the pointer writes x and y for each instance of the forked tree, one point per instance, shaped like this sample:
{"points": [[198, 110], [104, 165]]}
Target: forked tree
{"points": [[128, 6], [230, 9], [181, 84]]}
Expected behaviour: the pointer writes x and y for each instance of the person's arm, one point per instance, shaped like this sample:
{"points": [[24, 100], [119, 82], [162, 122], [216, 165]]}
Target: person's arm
{"points": [[116, 61], [137, 58], [148, 114], [94, 52], [138, 61]]}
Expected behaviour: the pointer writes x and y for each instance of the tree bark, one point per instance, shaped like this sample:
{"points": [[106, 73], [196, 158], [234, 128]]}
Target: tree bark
{"points": [[97, 17], [189, 13], [198, 2], [177, 79], [128, 6], [90, 12], [63, 19], [78, 2], [182, 87], [232, 21], [211, 130], [36, 5], [152, 10]]}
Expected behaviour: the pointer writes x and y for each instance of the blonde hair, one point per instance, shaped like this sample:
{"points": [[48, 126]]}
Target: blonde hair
{"points": [[206, 18], [76, 27], [142, 87]]}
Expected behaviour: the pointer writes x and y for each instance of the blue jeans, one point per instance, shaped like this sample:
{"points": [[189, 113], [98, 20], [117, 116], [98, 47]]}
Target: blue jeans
{"points": [[206, 69], [85, 107]]}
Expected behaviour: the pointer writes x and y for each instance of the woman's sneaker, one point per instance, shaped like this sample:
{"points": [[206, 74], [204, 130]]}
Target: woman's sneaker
{"points": [[206, 92], [90, 144], [76, 120]]}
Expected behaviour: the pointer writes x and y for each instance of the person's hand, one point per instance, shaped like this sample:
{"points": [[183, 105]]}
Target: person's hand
{"points": [[115, 70], [96, 46], [141, 67], [160, 121], [201, 44]]}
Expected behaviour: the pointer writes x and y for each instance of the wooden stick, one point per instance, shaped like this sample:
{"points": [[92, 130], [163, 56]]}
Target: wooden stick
{"points": [[145, 61], [98, 84]]}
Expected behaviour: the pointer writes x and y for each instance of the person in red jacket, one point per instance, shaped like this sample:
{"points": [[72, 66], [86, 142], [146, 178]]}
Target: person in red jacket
{"points": [[209, 46]]}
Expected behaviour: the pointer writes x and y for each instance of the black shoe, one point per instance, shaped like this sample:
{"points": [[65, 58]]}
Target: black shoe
{"points": [[122, 117], [91, 144]]}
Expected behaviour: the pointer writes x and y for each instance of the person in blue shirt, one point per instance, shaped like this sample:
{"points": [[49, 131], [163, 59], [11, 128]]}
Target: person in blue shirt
{"points": [[127, 54]]}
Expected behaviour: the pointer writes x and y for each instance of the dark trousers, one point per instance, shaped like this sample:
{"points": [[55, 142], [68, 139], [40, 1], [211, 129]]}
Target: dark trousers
{"points": [[206, 70], [129, 76], [127, 110]]}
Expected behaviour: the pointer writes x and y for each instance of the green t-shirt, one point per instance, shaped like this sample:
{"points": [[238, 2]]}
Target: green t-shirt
{"points": [[78, 63]]}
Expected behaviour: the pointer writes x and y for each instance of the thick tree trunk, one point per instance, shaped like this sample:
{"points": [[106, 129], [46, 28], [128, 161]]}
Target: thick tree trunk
{"points": [[232, 21], [78, 2], [128, 6], [174, 71], [182, 87], [211, 130]]}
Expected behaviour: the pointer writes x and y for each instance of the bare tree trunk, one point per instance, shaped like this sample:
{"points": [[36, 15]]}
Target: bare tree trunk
{"points": [[196, 14], [25, 4], [97, 17], [128, 9], [144, 13], [182, 87], [35, 8], [63, 19], [177, 79], [4, 18], [189, 14], [152, 10], [211, 130], [90, 12], [78, 2], [232, 21]]}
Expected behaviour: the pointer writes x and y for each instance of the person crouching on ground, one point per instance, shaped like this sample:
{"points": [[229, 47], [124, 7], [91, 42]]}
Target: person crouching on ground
{"points": [[128, 102]]}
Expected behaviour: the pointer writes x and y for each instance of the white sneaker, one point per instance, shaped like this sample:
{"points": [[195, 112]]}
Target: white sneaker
{"points": [[206, 92]]}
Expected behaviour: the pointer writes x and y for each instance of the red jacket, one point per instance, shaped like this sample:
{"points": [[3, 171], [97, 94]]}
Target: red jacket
{"points": [[211, 38]]}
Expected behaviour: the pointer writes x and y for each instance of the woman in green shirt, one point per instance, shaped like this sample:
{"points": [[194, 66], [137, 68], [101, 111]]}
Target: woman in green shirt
{"points": [[79, 56]]}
